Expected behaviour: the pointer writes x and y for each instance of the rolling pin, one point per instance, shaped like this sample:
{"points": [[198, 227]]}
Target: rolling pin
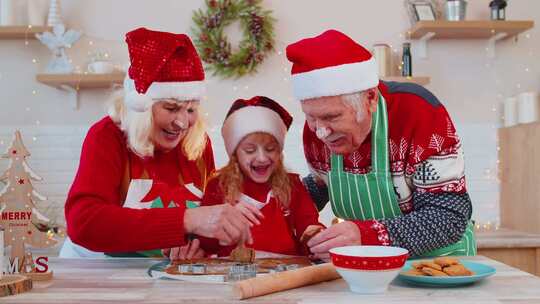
{"points": [[279, 281]]}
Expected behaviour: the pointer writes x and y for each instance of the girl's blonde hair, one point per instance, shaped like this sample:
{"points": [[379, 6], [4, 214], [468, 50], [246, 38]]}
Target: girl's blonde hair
{"points": [[138, 127], [231, 179]]}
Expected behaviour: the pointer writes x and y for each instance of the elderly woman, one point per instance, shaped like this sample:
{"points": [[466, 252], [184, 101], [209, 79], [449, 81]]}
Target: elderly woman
{"points": [[145, 166]]}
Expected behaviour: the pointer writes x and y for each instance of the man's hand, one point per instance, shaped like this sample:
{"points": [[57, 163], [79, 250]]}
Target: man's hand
{"points": [[342, 234], [191, 250], [223, 222]]}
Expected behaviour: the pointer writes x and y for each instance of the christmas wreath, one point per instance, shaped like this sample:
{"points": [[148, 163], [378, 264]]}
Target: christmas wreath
{"points": [[214, 47]]}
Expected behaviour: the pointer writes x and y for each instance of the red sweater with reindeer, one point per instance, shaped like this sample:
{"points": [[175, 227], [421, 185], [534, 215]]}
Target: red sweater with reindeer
{"points": [[94, 214], [281, 228]]}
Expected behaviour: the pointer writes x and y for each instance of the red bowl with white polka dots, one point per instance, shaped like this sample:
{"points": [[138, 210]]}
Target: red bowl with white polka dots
{"points": [[368, 269]]}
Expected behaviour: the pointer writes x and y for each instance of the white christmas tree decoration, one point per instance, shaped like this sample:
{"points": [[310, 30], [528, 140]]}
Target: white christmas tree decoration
{"points": [[19, 215], [57, 42], [55, 17]]}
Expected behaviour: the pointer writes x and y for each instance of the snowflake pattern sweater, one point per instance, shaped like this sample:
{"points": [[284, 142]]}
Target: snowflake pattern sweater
{"points": [[427, 169], [94, 214], [281, 228]]}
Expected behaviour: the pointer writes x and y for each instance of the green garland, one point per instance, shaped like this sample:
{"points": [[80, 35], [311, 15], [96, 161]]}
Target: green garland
{"points": [[214, 47]]}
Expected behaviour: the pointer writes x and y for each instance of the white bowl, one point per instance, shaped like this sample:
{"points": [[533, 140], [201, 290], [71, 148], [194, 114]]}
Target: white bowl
{"points": [[368, 269]]}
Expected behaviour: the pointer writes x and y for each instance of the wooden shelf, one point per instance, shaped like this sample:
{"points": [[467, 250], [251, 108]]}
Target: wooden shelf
{"points": [[71, 84], [421, 80], [492, 31], [81, 81], [22, 31], [484, 29]]}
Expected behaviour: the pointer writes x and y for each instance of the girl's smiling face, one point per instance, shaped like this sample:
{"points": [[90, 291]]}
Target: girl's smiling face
{"points": [[258, 155]]}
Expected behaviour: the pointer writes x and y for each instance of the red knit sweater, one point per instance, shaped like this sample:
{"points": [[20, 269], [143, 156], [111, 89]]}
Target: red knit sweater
{"points": [[94, 213], [281, 228]]}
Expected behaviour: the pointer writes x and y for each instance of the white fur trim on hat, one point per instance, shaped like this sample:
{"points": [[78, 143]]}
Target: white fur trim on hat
{"points": [[251, 119], [336, 80], [190, 90]]}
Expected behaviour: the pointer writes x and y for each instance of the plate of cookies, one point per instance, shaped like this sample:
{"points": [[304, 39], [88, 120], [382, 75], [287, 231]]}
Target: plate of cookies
{"points": [[444, 271]]}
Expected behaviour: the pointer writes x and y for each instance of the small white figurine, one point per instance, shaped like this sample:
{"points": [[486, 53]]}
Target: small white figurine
{"points": [[57, 42]]}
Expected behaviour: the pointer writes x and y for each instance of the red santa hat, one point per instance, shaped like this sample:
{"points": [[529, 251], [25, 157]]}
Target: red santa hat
{"points": [[163, 65], [258, 114], [330, 64]]}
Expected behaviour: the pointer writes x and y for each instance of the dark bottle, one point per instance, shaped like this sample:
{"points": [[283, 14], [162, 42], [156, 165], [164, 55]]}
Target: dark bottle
{"points": [[498, 9], [406, 69]]}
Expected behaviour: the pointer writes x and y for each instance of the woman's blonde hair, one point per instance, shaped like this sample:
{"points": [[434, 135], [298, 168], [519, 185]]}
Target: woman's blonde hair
{"points": [[138, 127], [231, 179]]}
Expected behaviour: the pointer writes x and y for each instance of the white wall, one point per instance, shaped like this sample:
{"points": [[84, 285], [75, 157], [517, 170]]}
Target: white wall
{"points": [[466, 81]]}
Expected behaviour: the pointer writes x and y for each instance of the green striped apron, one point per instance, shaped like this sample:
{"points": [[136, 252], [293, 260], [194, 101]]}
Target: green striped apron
{"points": [[371, 195]]}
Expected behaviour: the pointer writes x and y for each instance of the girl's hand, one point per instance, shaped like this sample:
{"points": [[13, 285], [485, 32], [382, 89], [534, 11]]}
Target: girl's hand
{"points": [[250, 212], [191, 250]]}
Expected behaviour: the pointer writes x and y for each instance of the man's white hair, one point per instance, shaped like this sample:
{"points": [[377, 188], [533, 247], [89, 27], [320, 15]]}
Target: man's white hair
{"points": [[138, 128], [355, 100]]}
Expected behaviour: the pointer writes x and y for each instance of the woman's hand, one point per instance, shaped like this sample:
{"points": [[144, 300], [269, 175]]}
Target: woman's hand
{"points": [[250, 212], [342, 234], [223, 222], [191, 250]]}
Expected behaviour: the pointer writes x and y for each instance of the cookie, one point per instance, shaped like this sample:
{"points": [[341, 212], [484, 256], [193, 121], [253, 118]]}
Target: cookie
{"points": [[433, 272], [417, 265], [457, 270], [445, 261], [431, 265], [414, 272]]}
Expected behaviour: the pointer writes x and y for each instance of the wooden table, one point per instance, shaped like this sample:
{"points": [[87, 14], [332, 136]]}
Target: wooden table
{"points": [[126, 281]]}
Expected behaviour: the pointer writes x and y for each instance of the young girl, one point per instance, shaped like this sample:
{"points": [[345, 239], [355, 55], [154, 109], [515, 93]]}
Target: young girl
{"points": [[256, 182]]}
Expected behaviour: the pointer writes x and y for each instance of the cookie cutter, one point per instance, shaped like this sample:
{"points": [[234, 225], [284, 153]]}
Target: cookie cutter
{"points": [[285, 267], [238, 272], [185, 268], [198, 268]]}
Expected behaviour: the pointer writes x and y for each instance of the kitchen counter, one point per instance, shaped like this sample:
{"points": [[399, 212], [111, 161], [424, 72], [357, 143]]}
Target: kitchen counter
{"points": [[126, 281]]}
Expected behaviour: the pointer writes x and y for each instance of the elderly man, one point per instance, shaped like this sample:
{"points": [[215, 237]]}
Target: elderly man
{"points": [[385, 154]]}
